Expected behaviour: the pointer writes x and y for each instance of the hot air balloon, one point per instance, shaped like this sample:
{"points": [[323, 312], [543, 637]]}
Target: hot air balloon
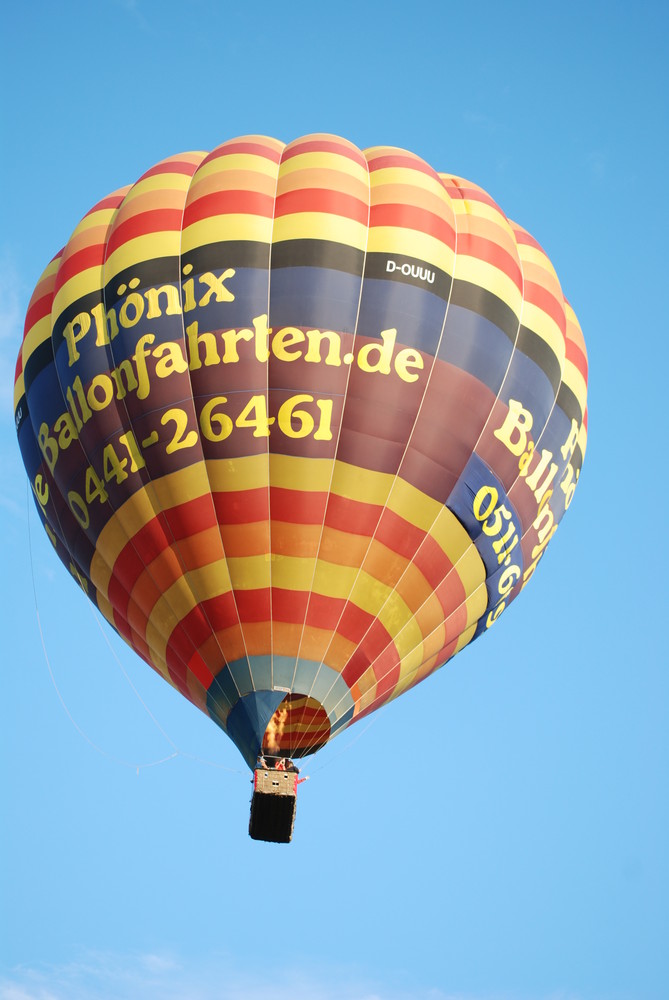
{"points": [[300, 420]]}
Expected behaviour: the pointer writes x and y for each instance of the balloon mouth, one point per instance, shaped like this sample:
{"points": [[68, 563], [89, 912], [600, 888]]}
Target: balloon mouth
{"points": [[299, 727]]}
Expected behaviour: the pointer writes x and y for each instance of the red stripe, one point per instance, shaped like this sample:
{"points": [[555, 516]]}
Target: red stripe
{"points": [[297, 506], [323, 146], [159, 220], [37, 311], [352, 516], [539, 296], [577, 358], [524, 238], [401, 158], [90, 256], [321, 200], [228, 203], [410, 217], [256, 148], [175, 166], [242, 506], [470, 194], [111, 201], [492, 253], [289, 605]]}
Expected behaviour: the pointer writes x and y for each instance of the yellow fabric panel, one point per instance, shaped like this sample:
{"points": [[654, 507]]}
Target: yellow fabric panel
{"points": [[411, 243], [179, 599], [404, 178], [253, 572], [321, 226], [326, 178], [232, 166], [433, 198], [141, 195], [488, 276], [465, 638], [545, 327], [137, 511], [227, 228], [342, 548], [360, 484], [324, 160], [82, 283], [141, 248], [227, 475], [300, 540]]}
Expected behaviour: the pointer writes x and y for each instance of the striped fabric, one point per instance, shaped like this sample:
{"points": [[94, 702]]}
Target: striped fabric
{"points": [[301, 421]]}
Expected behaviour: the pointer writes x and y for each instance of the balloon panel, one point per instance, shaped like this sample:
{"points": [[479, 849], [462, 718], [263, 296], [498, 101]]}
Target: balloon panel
{"points": [[301, 420]]}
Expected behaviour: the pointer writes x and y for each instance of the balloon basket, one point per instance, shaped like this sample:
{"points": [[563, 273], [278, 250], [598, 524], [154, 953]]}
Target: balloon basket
{"points": [[273, 805]]}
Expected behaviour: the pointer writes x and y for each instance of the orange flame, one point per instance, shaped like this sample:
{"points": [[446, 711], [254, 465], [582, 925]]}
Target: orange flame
{"points": [[274, 730]]}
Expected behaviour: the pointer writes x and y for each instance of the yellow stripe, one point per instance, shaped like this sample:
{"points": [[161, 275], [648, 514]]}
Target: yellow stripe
{"points": [[38, 333], [326, 180], [468, 209], [220, 166], [164, 182], [324, 160], [80, 284], [227, 475], [408, 178], [226, 228], [179, 600], [486, 275], [393, 239], [19, 389], [465, 638], [545, 327], [152, 246], [320, 225], [572, 378]]}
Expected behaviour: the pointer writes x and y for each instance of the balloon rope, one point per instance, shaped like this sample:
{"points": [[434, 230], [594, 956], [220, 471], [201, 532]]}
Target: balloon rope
{"points": [[104, 753], [344, 749]]}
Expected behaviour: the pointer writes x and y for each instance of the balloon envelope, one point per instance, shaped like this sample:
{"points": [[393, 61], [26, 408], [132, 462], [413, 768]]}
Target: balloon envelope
{"points": [[300, 420]]}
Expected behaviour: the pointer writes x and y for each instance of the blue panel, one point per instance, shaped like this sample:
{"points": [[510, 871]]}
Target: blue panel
{"points": [[261, 672], [416, 313], [481, 504], [248, 721], [318, 297], [475, 345]]}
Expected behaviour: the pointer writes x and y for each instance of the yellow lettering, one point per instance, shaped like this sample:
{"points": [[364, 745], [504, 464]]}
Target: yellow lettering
{"points": [[170, 359], [48, 446], [173, 307], [41, 490], [139, 357], [95, 401], [384, 351], [195, 339], [406, 359], [125, 368], [73, 333], [66, 431], [106, 325], [136, 303], [517, 424], [567, 448], [533, 479], [315, 338], [215, 286], [230, 340], [285, 338], [262, 337]]}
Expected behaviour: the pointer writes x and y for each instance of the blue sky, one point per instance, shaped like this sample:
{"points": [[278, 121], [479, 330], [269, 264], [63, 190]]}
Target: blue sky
{"points": [[525, 856]]}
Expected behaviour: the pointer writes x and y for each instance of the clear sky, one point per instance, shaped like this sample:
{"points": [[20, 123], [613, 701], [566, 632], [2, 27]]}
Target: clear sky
{"points": [[517, 847]]}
